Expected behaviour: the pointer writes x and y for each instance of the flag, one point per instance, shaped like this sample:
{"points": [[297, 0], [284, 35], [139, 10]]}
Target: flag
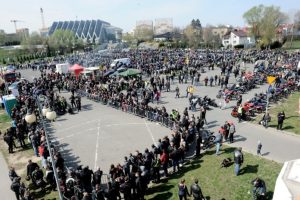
{"points": [[271, 79]]}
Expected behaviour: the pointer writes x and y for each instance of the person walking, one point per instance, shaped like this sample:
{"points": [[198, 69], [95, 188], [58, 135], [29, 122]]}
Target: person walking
{"points": [[182, 190], [238, 160], [195, 191], [280, 118], [259, 146]]}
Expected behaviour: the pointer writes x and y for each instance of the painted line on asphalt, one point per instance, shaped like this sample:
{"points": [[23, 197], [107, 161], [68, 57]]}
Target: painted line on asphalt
{"points": [[74, 134], [124, 124], [149, 131], [97, 145], [70, 127]]}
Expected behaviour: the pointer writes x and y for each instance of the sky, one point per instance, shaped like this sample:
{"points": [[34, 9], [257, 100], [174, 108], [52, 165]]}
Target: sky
{"points": [[125, 13]]}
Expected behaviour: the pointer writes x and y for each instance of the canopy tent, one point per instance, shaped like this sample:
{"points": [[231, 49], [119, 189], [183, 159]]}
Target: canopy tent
{"points": [[130, 72], [76, 69]]}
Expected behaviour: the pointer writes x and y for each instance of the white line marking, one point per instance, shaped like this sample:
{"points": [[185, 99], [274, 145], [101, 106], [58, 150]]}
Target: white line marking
{"points": [[70, 127], [149, 131], [97, 146], [124, 124], [71, 135]]}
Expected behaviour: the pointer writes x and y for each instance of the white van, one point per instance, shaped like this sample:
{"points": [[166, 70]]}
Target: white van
{"points": [[125, 61]]}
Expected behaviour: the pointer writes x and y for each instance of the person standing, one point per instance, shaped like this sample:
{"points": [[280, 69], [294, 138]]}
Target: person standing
{"points": [[195, 191], [231, 132], [203, 114], [182, 190], [15, 187], [238, 160], [164, 159], [177, 92], [281, 118], [218, 141]]}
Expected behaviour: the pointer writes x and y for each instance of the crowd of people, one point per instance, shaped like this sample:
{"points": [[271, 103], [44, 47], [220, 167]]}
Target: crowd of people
{"points": [[133, 95]]}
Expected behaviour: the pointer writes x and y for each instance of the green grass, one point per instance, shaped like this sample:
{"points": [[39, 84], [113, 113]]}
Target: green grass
{"points": [[19, 160], [295, 44], [216, 182], [291, 110]]}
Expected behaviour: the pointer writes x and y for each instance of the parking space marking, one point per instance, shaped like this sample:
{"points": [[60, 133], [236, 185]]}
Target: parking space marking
{"points": [[97, 145], [75, 126], [149, 131], [124, 124], [74, 134]]}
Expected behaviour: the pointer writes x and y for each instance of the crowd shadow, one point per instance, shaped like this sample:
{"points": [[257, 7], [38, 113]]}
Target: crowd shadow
{"points": [[87, 107], [239, 138], [249, 169], [71, 160]]}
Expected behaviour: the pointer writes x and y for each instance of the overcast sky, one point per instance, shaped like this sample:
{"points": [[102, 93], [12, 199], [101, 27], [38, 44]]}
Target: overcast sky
{"points": [[124, 13]]}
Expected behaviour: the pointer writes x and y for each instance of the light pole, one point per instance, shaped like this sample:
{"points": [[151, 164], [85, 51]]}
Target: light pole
{"points": [[52, 116]]}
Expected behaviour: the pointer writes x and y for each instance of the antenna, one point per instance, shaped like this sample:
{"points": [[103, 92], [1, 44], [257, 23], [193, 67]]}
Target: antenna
{"points": [[43, 20]]}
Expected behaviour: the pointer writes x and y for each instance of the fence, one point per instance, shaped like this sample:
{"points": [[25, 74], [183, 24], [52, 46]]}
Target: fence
{"points": [[137, 110]]}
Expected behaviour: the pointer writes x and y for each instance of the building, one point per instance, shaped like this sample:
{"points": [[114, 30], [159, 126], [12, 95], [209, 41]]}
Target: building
{"points": [[94, 31], [23, 32], [144, 24], [144, 30], [288, 181], [163, 25], [220, 31], [236, 38], [44, 32]]}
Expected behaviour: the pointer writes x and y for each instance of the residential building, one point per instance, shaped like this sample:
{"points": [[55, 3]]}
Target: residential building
{"points": [[163, 25], [235, 38], [221, 31], [23, 32]]}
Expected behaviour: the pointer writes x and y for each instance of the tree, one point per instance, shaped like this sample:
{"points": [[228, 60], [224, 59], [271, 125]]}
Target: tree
{"points": [[2, 38], [29, 43], [193, 33], [264, 20], [297, 21], [128, 38], [209, 38], [62, 41], [143, 34]]}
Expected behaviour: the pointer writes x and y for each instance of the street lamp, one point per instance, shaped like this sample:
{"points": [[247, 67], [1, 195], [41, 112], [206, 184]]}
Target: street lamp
{"points": [[44, 111], [51, 115]]}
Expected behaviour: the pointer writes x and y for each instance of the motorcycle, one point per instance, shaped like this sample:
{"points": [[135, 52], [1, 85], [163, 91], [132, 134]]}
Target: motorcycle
{"points": [[208, 139]]}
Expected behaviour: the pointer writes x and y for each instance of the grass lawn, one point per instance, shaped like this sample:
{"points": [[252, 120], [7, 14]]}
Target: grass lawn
{"points": [[295, 45], [20, 158], [290, 108], [217, 182]]}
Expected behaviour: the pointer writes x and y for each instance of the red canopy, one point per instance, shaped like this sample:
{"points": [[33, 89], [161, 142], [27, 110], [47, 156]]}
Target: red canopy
{"points": [[77, 69]]}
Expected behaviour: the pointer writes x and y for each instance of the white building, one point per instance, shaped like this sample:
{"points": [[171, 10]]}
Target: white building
{"points": [[237, 37], [163, 26]]}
